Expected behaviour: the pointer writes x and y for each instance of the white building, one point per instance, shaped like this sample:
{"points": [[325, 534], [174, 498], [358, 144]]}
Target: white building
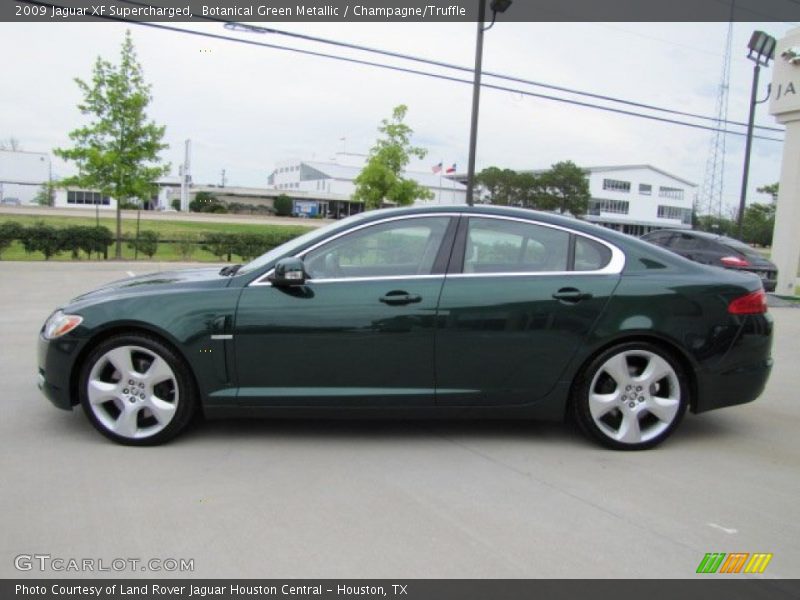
{"points": [[636, 199], [338, 181], [22, 175], [167, 188]]}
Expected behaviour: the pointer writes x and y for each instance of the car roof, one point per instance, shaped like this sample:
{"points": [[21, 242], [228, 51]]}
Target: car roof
{"points": [[493, 209], [706, 235]]}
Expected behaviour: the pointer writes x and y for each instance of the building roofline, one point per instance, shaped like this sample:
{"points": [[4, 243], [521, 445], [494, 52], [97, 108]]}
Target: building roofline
{"points": [[600, 168]]}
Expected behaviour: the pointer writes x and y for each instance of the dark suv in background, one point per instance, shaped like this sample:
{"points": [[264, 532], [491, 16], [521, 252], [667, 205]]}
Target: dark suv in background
{"points": [[718, 250]]}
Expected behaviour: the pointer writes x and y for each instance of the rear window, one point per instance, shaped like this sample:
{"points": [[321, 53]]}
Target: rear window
{"points": [[740, 247], [590, 255], [685, 241], [659, 238]]}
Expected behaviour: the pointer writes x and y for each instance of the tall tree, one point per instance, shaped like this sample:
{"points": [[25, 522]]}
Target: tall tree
{"points": [[117, 153], [771, 189], [566, 189], [381, 178], [500, 184]]}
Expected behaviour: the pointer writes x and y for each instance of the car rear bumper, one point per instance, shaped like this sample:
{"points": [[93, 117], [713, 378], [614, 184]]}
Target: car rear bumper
{"points": [[742, 374], [736, 386]]}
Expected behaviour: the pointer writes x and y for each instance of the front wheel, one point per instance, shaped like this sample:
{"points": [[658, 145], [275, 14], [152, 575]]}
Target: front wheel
{"points": [[631, 396], [135, 390]]}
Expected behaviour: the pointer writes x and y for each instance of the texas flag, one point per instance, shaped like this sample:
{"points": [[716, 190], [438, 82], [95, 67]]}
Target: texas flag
{"points": [[450, 169], [436, 168]]}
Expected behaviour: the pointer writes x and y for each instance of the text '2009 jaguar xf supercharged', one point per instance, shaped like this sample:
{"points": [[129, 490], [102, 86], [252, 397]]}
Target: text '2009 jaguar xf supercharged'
{"points": [[423, 312]]}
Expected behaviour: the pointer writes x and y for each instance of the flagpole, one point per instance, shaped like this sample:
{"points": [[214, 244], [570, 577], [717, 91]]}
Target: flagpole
{"points": [[441, 164]]}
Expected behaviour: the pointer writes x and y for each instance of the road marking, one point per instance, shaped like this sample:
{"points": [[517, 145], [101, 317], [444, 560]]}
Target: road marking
{"points": [[131, 274], [727, 530]]}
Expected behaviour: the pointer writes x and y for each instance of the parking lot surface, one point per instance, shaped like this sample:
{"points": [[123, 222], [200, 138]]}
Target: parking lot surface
{"points": [[403, 499]]}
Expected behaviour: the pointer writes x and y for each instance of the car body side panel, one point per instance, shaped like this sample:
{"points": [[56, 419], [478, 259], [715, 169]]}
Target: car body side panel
{"points": [[504, 340], [689, 315], [186, 318], [337, 343]]}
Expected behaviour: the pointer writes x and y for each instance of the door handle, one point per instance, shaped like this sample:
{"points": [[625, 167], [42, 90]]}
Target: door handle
{"points": [[571, 295], [399, 297]]}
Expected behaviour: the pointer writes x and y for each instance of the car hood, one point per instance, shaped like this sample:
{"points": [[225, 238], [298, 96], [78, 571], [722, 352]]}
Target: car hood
{"points": [[153, 282]]}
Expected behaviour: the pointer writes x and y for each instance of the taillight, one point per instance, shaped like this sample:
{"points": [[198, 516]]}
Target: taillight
{"points": [[754, 303], [734, 261]]}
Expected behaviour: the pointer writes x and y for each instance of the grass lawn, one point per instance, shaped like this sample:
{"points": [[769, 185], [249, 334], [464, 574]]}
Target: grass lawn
{"points": [[166, 230]]}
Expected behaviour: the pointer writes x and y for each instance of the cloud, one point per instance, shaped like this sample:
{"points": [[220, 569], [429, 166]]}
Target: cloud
{"points": [[245, 108]]}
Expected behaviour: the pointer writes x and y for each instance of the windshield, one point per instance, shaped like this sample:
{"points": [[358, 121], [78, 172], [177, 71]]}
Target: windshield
{"points": [[298, 242]]}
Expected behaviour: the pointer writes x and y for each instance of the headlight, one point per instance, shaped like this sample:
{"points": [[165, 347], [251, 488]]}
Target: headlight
{"points": [[58, 324]]}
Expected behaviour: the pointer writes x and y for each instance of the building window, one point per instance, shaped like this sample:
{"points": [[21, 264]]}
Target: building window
{"points": [[645, 189], [91, 198], [675, 213], [616, 185], [670, 192], [609, 206]]}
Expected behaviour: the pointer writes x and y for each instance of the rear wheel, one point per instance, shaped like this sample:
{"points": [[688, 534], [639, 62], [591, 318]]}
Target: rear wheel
{"points": [[631, 396], [135, 390]]}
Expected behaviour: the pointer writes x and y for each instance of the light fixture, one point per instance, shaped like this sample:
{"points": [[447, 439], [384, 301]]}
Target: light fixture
{"points": [[500, 6], [762, 47]]}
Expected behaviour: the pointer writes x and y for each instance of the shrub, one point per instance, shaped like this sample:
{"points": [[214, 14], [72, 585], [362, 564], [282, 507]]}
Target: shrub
{"points": [[9, 231], [146, 243], [283, 206], [98, 239], [73, 239], [208, 203], [220, 245], [42, 238], [248, 245], [176, 203], [185, 245]]}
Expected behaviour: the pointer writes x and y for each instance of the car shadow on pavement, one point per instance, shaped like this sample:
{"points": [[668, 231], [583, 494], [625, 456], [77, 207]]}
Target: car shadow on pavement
{"points": [[703, 428], [379, 430]]}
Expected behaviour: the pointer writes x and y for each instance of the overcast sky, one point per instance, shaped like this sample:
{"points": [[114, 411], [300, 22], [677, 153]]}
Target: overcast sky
{"points": [[246, 108]]}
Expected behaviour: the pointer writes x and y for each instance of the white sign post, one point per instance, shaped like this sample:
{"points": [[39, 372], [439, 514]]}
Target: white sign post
{"points": [[785, 106]]}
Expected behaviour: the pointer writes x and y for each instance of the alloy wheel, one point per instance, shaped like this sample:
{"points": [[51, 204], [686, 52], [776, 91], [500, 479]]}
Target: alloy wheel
{"points": [[132, 391], [634, 397]]}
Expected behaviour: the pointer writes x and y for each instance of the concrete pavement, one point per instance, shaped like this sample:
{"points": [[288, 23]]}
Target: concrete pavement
{"points": [[387, 499]]}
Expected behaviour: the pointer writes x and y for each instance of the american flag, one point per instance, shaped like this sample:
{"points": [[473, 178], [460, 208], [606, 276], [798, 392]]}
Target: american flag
{"points": [[436, 168], [450, 169]]}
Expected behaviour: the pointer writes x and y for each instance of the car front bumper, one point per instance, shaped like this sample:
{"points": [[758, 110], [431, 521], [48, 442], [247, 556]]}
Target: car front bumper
{"points": [[56, 359]]}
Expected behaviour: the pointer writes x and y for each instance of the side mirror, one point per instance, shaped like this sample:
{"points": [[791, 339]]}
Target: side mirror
{"points": [[289, 272]]}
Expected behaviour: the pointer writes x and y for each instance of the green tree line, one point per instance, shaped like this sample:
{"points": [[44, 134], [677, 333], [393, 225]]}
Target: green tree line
{"points": [[563, 187]]}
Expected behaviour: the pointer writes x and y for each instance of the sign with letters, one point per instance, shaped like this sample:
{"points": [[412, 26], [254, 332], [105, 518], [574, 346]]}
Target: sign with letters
{"points": [[785, 89]]}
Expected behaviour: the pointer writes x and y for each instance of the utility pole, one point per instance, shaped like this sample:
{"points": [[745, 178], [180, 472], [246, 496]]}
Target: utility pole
{"points": [[476, 99], [186, 177]]}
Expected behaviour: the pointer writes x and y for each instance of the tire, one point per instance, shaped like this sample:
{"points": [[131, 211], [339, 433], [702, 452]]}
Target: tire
{"points": [[136, 390], [631, 396]]}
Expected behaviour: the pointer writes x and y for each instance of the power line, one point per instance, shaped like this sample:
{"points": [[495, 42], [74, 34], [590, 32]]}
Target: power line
{"points": [[409, 71], [305, 37]]}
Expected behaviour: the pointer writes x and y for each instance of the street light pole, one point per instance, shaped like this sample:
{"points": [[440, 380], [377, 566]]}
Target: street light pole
{"points": [[476, 99], [762, 50], [748, 146]]}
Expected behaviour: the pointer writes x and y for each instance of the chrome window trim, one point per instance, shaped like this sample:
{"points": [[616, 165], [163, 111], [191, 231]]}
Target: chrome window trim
{"points": [[614, 266], [262, 281]]}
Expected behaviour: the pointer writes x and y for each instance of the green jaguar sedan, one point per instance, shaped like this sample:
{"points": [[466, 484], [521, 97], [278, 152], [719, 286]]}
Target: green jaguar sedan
{"points": [[481, 312]]}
